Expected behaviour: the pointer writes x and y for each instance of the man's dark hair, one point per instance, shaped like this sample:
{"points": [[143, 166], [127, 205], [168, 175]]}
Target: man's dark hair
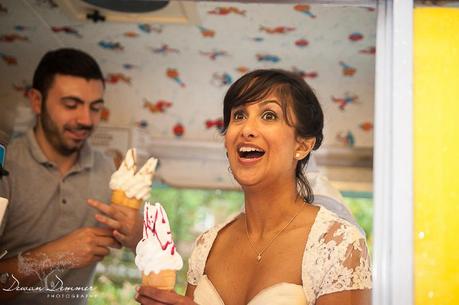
{"points": [[64, 61]]}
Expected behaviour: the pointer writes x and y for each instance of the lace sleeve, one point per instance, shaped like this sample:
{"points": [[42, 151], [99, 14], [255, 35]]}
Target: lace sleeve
{"points": [[197, 260], [349, 266]]}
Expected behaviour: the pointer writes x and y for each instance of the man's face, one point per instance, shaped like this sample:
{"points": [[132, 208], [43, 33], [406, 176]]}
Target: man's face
{"points": [[70, 112]]}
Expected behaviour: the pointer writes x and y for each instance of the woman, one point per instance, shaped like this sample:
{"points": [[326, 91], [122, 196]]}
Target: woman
{"points": [[281, 249]]}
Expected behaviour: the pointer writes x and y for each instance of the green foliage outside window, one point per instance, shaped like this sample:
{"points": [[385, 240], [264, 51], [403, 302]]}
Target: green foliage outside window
{"points": [[190, 213], [362, 209]]}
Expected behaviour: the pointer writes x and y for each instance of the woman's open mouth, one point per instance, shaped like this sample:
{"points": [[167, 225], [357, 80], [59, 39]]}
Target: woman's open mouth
{"points": [[250, 152]]}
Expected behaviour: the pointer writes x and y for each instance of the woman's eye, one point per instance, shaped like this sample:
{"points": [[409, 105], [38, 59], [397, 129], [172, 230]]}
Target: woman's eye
{"points": [[269, 116], [238, 115]]}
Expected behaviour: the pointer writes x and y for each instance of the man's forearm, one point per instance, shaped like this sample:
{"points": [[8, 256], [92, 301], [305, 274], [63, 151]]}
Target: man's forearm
{"points": [[24, 270]]}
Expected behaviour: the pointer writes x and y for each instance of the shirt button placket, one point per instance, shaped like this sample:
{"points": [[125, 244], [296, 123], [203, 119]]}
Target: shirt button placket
{"points": [[63, 200]]}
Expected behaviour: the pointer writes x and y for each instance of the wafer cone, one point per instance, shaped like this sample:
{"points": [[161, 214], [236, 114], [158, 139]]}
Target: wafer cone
{"points": [[164, 280], [119, 197]]}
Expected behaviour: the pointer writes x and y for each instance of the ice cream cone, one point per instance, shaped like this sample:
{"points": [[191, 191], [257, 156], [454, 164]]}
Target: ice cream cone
{"points": [[156, 255], [164, 280], [119, 197]]}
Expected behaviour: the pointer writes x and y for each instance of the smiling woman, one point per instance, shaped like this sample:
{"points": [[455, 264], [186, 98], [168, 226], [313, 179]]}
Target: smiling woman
{"points": [[281, 247], [281, 97]]}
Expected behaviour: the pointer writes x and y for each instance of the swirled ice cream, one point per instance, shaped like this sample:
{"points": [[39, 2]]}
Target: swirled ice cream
{"points": [[156, 255], [125, 172], [131, 188], [139, 185]]}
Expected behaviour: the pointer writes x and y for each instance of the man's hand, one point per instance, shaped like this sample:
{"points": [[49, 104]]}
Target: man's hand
{"points": [[80, 248], [126, 223]]}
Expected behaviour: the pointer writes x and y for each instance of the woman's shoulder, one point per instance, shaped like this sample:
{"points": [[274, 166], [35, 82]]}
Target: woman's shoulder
{"points": [[202, 246], [336, 257], [331, 233], [207, 238], [329, 224]]}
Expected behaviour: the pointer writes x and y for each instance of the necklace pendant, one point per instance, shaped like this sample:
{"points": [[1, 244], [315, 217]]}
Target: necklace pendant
{"points": [[259, 258]]}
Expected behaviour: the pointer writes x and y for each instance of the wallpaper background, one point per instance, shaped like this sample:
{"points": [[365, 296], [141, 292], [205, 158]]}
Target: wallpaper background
{"points": [[167, 81]]}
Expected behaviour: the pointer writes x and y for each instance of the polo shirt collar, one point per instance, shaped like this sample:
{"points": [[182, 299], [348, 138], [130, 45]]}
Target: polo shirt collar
{"points": [[85, 160], [35, 149]]}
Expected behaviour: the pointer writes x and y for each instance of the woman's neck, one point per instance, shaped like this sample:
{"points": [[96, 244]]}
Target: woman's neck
{"points": [[267, 210]]}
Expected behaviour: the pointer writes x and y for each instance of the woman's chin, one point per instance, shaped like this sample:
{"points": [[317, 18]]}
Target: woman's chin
{"points": [[247, 182]]}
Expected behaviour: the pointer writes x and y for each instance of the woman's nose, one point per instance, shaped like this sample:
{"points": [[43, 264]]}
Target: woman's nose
{"points": [[249, 129]]}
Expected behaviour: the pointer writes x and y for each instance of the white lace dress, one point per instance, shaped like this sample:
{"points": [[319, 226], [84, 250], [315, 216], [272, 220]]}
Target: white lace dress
{"points": [[335, 259]]}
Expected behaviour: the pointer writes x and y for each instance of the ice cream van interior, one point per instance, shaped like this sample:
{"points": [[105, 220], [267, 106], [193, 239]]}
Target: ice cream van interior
{"points": [[167, 67]]}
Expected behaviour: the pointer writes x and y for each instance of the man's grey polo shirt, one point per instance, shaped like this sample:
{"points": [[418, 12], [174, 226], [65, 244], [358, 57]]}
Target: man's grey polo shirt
{"points": [[44, 206]]}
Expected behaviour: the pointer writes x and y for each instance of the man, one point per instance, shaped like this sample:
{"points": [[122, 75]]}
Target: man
{"points": [[49, 230]]}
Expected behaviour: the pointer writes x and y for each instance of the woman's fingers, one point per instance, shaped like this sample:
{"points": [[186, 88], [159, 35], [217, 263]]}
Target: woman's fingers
{"points": [[147, 296], [161, 296]]}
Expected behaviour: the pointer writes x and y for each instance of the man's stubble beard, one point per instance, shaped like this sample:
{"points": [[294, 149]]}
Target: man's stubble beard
{"points": [[56, 137]]}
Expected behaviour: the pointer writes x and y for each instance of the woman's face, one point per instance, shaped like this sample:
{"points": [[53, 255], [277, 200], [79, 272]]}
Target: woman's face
{"points": [[261, 145]]}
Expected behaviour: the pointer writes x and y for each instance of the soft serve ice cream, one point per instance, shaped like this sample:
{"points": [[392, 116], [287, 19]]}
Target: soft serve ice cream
{"points": [[125, 172], [131, 188], [156, 255], [140, 184]]}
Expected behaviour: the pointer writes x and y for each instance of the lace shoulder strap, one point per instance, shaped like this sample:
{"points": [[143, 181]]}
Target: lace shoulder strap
{"points": [[201, 250], [336, 257]]}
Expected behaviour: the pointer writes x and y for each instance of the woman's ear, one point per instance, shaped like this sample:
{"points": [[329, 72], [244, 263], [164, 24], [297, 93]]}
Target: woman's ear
{"points": [[304, 147], [35, 99]]}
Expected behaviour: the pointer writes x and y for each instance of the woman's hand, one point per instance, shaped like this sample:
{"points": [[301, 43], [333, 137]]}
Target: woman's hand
{"points": [[151, 296], [126, 223]]}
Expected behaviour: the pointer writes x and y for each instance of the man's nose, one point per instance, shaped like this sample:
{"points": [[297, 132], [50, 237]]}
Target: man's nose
{"points": [[84, 116]]}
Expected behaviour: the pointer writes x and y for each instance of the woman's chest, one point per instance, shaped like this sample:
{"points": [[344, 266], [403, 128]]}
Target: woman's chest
{"points": [[238, 276]]}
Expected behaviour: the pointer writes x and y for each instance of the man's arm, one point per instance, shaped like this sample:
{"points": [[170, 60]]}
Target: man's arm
{"points": [[78, 249]]}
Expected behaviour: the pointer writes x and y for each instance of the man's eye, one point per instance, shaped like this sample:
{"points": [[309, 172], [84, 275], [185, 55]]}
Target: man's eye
{"points": [[269, 116], [96, 108], [70, 105]]}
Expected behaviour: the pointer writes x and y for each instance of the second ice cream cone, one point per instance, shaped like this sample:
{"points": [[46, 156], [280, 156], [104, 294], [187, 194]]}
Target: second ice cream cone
{"points": [[118, 197], [164, 280]]}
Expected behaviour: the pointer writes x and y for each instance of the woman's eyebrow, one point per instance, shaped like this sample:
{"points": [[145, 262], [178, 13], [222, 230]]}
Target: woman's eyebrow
{"points": [[270, 101]]}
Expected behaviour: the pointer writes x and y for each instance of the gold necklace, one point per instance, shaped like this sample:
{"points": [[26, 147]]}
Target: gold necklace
{"points": [[259, 254]]}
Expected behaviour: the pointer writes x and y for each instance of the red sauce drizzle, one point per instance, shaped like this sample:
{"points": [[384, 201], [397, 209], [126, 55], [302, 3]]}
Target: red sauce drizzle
{"points": [[149, 226]]}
